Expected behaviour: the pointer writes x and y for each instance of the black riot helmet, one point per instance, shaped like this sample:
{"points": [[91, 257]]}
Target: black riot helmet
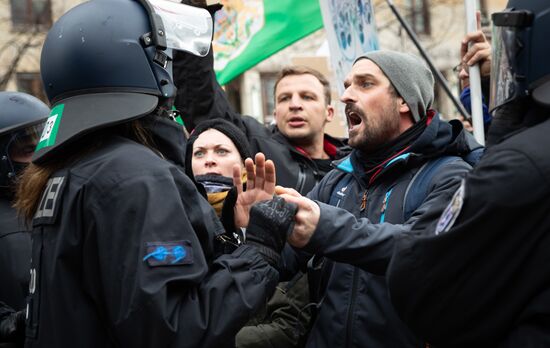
{"points": [[520, 66], [22, 117], [106, 62]]}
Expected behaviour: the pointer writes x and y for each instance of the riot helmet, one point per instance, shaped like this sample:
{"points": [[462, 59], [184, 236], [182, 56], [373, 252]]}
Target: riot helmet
{"points": [[520, 53], [105, 62], [22, 118]]}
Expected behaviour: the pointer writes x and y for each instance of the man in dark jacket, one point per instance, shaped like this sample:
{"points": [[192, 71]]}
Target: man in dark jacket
{"points": [[394, 134], [478, 275], [298, 146], [21, 121], [122, 252]]}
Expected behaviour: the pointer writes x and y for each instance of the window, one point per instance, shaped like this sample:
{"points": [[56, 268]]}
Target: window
{"points": [[27, 15], [268, 83], [233, 93], [419, 16], [31, 83]]}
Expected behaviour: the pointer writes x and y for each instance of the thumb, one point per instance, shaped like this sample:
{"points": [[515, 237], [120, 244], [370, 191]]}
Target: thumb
{"points": [[301, 202]]}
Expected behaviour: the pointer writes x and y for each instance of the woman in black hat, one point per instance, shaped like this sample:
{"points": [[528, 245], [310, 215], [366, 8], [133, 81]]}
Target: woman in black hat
{"points": [[214, 149]]}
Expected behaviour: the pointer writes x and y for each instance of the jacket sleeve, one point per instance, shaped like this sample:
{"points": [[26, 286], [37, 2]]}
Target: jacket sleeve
{"points": [[342, 237], [199, 95], [166, 299], [484, 272]]}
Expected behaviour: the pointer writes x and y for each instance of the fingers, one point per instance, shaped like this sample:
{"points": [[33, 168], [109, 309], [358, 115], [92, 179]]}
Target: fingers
{"points": [[237, 178], [478, 53], [270, 177], [306, 220], [280, 190], [480, 48], [478, 20], [259, 159], [250, 173], [300, 201]]}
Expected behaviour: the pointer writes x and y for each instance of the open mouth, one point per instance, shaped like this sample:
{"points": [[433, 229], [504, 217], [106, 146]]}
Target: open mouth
{"points": [[354, 119], [296, 121]]}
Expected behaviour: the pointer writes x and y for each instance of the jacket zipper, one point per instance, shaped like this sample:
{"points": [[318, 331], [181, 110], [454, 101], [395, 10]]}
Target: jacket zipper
{"points": [[354, 284], [301, 179]]}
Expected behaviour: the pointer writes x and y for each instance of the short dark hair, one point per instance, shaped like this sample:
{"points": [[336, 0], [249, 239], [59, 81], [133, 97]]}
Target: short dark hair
{"points": [[303, 70]]}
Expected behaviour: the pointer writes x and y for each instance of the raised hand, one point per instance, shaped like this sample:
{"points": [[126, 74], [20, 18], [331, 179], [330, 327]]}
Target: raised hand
{"points": [[260, 186], [478, 52]]}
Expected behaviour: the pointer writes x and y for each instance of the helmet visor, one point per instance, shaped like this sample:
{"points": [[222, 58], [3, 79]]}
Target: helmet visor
{"points": [[187, 28], [507, 76], [23, 142]]}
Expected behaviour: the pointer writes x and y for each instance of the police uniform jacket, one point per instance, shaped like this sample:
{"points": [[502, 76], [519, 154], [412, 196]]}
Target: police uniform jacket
{"points": [[122, 257], [15, 256], [483, 280]]}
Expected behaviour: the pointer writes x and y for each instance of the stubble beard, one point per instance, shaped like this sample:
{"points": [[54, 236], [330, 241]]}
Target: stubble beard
{"points": [[375, 134]]}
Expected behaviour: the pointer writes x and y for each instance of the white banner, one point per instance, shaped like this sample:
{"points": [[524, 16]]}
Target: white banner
{"points": [[350, 30]]}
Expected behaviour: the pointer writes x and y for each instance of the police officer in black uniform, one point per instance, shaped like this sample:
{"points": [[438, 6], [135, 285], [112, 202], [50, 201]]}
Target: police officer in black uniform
{"points": [[21, 121], [123, 243], [478, 275]]}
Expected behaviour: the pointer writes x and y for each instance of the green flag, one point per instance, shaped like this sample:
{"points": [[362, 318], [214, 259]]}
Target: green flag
{"points": [[249, 31]]}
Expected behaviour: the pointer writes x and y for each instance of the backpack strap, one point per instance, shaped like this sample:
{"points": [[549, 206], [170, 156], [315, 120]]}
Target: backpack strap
{"points": [[418, 187]]}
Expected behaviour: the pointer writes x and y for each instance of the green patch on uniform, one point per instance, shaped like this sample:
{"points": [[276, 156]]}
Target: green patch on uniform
{"points": [[49, 134], [177, 116]]}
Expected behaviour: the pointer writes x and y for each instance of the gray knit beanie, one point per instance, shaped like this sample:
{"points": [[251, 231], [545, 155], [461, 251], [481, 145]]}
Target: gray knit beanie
{"points": [[409, 75]]}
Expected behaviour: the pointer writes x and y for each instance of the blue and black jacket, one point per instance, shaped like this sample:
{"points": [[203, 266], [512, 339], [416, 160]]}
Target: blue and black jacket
{"points": [[355, 309]]}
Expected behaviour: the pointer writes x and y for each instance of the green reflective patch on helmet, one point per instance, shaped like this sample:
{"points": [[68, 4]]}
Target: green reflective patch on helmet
{"points": [[51, 127]]}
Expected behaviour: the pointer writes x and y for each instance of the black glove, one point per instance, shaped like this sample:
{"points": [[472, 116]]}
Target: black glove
{"points": [[269, 226], [12, 326]]}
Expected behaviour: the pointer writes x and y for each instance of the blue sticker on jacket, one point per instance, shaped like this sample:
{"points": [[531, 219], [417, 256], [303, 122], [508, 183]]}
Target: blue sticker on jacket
{"points": [[168, 253]]}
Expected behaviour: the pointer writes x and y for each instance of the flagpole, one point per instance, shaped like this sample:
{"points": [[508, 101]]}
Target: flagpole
{"points": [[475, 78], [428, 60]]}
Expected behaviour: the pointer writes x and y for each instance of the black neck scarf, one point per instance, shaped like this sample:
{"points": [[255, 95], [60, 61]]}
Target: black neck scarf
{"points": [[370, 161]]}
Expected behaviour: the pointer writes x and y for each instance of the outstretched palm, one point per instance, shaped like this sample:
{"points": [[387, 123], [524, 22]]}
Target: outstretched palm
{"points": [[260, 186]]}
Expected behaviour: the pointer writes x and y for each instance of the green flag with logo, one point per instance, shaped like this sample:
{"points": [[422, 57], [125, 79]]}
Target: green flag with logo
{"points": [[249, 31]]}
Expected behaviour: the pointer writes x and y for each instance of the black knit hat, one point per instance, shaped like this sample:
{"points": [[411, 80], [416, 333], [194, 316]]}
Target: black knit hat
{"points": [[233, 132]]}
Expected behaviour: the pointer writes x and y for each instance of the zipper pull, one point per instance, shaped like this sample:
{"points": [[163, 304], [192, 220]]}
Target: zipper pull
{"points": [[364, 201]]}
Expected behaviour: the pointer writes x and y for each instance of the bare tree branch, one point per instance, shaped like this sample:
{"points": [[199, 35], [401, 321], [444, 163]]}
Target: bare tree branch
{"points": [[22, 43]]}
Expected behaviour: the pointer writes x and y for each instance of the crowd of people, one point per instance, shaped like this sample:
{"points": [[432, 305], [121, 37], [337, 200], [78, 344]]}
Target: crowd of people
{"points": [[122, 227]]}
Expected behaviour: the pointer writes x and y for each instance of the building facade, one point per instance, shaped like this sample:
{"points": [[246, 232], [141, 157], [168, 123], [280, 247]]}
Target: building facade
{"points": [[439, 24], [25, 24]]}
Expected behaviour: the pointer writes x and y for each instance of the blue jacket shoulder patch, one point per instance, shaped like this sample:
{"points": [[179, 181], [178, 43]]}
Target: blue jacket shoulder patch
{"points": [[168, 253]]}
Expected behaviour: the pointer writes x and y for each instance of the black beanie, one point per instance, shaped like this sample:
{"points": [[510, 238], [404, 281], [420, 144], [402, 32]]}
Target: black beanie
{"points": [[233, 132]]}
